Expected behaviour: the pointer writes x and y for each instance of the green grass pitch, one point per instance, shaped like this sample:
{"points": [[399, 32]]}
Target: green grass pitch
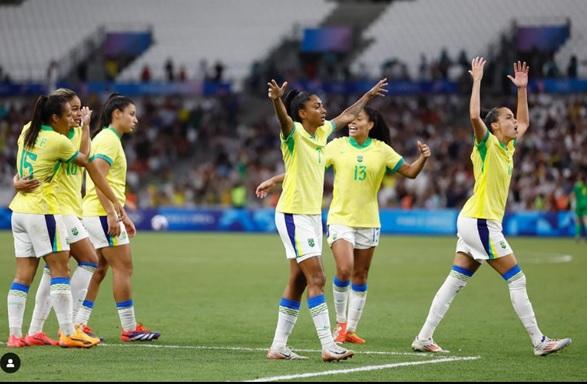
{"points": [[214, 299]]}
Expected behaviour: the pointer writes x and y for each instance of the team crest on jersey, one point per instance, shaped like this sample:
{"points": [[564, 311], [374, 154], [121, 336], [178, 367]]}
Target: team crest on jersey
{"points": [[311, 242], [503, 245], [359, 158], [74, 231]]}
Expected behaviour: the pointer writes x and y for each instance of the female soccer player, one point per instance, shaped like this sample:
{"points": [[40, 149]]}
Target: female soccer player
{"points": [[109, 237], [580, 204], [480, 236], [304, 132], [360, 160], [37, 225], [69, 177]]}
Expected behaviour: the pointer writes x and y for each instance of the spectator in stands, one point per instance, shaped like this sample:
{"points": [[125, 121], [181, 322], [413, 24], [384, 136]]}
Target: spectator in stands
{"points": [[169, 70], [572, 68], [146, 74], [218, 72], [52, 76]]}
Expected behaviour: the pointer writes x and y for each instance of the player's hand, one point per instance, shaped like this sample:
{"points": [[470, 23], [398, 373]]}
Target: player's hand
{"points": [[520, 78], [86, 116], [275, 92], [424, 150], [131, 230], [476, 70], [379, 89], [120, 212], [264, 188], [25, 185], [113, 225]]}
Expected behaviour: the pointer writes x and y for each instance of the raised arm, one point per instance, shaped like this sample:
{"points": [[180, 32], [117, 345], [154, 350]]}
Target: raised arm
{"points": [[476, 72], [520, 80], [275, 93], [412, 170], [84, 147], [348, 115]]}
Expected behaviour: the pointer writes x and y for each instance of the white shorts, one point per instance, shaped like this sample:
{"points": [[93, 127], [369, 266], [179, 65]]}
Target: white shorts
{"points": [[481, 238], [75, 229], [36, 235], [98, 229], [301, 235], [360, 237]]}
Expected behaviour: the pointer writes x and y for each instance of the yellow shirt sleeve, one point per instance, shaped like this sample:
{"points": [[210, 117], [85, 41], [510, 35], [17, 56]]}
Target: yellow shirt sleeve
{"points": [[393, 160]]}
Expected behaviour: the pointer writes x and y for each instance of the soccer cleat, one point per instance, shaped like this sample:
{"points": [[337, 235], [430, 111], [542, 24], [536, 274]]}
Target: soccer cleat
{"points": [[339, 334], [86, 329], [284, 353], [547, 346], [78, 339], [427, 346], [16, 342], [139, 334], [40, 339], [353, 338], [336, 353]]}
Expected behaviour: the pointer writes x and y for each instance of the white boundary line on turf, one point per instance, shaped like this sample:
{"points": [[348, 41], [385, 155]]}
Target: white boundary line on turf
{"points": [[248, 349], [361, 369]]}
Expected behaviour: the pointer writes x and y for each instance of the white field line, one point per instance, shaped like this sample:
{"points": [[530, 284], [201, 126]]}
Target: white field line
{"points": [[362, 369], [248, 349]]}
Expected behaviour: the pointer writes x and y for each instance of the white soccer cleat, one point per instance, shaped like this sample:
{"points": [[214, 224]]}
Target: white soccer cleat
{"points": [[427, 346], [548, 346], [284, 353], [336, 353]]}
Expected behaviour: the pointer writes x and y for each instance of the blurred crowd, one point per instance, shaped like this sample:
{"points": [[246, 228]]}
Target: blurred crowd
{"points": [[213, 151]]}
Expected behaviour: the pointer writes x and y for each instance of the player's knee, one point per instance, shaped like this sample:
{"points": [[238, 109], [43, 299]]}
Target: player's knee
{"points": [[360, 276], [344, 272], [317, 279]]}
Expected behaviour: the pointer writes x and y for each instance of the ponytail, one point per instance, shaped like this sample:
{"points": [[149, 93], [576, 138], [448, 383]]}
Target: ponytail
{"points": [[294, 102], [114, 102], [45, 108], [380, 131]]}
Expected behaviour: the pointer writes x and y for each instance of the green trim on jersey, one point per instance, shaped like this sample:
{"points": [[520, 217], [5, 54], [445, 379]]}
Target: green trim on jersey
{"points": [[397, 166], [290, 140], [116, 132], [44, 127], [482, 148], [71, 133], [355, 144], [74, 156], [105, 158]]}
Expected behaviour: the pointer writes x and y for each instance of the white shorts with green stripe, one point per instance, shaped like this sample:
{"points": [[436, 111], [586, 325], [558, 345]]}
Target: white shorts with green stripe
{"points": [[482, 239], [360, 237], [301, 235], [75, 229], [36, 235], [98, 229]]}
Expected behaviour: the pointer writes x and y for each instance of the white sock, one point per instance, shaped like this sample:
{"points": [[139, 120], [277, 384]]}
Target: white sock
{"points": [[80, 280], [42, 303], [521, 303], [16, 301], [357, 302], [126, 313], [85, 311], [62, 303], [319, 311], [286, 320], [340, 291], [456, 280]]}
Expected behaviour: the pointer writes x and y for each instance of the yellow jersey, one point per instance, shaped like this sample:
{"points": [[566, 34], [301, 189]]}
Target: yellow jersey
{"points": [[107, 146], [69, 179], [303, 156], [42, 162], [358, 173], [493, 164]]}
